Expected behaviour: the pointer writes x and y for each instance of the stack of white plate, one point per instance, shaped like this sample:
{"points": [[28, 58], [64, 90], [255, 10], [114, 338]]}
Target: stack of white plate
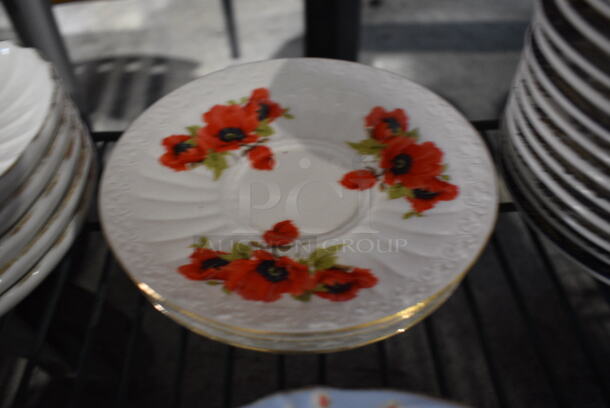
{"points": [[46, 172], [557, 150]]}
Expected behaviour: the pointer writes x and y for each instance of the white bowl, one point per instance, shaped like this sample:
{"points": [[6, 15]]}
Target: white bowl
{"points": [[27, 91], [583, 26], [21, 233], [336, 398], [595, 174], [22, 166], [591, 94], [45, 265], [601, 6], [568, 49], [13, 207], [570, 128], [559, 193], [551, 161], [20, 262], [561, 99], [564, 223]]}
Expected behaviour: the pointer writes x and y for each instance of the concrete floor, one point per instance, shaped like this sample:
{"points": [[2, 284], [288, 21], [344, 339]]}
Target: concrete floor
{"points": [[466, 51]]}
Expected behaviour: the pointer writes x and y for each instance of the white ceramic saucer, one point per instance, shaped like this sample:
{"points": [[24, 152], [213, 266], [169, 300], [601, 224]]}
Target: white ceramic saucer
{"points": [[320, 121], [569, 127], [322, 397], [562, 100], [28, 160], [15, 206], [32, 278], [33, 221], [23, 259], [26, 100]]}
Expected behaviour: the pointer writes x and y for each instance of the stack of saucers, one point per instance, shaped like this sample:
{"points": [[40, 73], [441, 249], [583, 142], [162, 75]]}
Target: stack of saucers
{"points": [[46, 170], [557, 125], [343, 253]]}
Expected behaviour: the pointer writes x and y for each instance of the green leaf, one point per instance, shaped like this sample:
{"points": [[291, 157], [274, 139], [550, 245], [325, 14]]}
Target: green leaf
{"points": [[256, 244], [264, 130], [232, 102], [445, 177], [243, 99], [193, 130], [367, 146], [213, 283], [303, 261], [305, 297], [288, 115], [320, 288], [227, 291], [324, 258], [241, 251], [202, 242], [412, 214], [413, 133], [216, 162], [398, 191]]}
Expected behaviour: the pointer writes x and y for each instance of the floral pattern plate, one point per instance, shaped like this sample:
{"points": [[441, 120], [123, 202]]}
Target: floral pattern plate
{"points": [[336, 398], [299, 197]]}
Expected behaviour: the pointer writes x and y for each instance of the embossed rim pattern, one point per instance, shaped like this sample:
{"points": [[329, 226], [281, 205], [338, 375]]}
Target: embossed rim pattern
{"points": [[31, 91], [34, 249], [34, 277], [115, 215]]}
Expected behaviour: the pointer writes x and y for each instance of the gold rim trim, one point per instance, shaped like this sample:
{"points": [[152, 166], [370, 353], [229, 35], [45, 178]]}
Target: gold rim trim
{"points": [[315, 336], [44, 193], [47, 154], [81, 211], [56, 99], [202, 332], [157, 298], [150, 292], [84, 165]]}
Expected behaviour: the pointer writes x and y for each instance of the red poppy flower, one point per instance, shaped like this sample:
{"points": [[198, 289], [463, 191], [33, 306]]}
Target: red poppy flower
{"points": [[179, 153], [205, 264], [426, 196], [262, 106], [266, 277], [261, 158], [359, 180], [386, 125], [227, 128], [410, 163], [282, 233], [342, 285]]}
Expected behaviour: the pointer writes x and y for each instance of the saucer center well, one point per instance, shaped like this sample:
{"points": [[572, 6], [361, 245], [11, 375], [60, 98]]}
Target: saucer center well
{"points": [[303, 187]]}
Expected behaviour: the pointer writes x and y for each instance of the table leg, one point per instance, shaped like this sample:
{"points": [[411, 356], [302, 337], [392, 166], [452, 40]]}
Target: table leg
{"points": [[332, 29]]}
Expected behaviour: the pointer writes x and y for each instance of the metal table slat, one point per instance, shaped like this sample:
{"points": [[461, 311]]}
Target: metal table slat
{"points": [[383, 362]]}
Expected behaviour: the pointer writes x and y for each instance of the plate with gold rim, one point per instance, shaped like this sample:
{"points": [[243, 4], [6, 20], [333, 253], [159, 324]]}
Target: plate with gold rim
{"points": [[16, 263], [28, 99], [37, 215], [324, 397], [300, 197], [24, 196], [32, 278]]}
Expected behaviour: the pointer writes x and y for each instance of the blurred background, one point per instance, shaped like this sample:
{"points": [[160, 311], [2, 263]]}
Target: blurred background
{"points": [[526, 328], [466, 51]]}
